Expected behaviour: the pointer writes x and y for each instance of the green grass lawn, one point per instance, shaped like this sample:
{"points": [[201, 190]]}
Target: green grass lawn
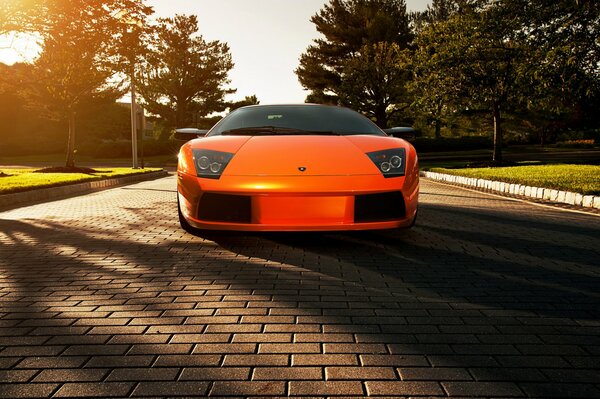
{"points": [[584, 179], [59, 159], [18, 180]]}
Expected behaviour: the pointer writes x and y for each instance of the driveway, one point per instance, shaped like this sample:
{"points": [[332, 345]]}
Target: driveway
{"points": [[103, 295]]}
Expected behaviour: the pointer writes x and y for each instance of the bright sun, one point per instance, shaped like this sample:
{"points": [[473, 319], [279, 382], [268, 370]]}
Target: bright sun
{"points": [[18, 47]]}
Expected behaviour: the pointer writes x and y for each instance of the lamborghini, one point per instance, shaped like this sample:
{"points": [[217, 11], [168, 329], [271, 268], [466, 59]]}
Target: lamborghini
{"points": [[299, 167]]}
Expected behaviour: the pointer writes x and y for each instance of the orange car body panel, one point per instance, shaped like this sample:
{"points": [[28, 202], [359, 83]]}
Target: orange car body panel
{"points": [[284, 198]]}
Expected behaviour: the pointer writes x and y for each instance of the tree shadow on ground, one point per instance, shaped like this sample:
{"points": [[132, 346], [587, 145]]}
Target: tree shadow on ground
{"points": [[445, 296]]}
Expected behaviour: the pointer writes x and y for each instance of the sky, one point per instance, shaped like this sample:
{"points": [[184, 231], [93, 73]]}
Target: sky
{"points": [[266, 39]]}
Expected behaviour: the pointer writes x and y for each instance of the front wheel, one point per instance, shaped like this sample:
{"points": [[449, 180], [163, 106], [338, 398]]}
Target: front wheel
{"points": [[184, 223], [414, 221]]}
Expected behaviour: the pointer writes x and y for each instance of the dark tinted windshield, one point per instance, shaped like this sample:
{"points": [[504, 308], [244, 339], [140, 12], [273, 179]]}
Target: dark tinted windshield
{"points": [[295, 119]]}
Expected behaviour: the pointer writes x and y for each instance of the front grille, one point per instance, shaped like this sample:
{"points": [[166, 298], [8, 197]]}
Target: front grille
{"points": [[379, 207], [225, 208]]}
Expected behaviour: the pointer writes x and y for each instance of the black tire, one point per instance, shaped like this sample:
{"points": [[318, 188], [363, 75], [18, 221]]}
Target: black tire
{"points": [[184, 223], [414, 221]]}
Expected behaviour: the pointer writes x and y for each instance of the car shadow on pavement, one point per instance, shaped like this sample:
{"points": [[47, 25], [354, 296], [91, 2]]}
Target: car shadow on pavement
{"points": [[435, 304]]}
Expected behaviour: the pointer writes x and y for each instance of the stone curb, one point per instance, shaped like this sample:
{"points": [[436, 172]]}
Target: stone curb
{"points": [[16, 200], [539, 193]]}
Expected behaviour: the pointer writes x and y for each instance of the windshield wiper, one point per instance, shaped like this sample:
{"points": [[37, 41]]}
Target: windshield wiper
{"points": [[324, 132], [277, 130], [263, 130]]}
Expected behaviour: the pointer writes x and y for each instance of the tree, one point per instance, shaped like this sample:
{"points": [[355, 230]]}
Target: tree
{"points": [[61, 78], [375, 81], [80, 52], [42, 16], [433, 89], [480, 59], [437, 11], [354, 31], [183, 76], [248, 100], [564, 36]]}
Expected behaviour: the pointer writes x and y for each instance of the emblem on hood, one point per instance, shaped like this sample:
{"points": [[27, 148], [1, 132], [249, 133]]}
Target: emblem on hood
{"points": [[302, 168]]}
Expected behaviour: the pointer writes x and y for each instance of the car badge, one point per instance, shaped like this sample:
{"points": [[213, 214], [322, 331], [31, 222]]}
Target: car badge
{"points": [[302, 169]]}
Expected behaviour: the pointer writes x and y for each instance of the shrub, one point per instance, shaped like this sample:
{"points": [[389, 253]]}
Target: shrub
{"points": [[577, 143], [122, 148], [465, 143]]}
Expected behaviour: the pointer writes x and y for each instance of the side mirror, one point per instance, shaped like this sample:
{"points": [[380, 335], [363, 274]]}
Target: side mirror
{"points": [[401, 132], [189, 133]]}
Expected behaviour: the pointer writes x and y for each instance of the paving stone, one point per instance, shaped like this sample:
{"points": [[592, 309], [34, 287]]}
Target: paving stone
{"points": [[94, 389], [167, 388], [143, 374], [188, 360], [324, 360], [71, 375], [10, 376], [558, 390], [289, 348], [156, 349], [256, 360], [355, 348], [51, 362], [26, 390], [402, 388], [287, 373], [394, 360], [320, 388], [507, 374], [246, 388], [482, 389], [216, 373], [572, 376], [434, 374], [360, 373], [225, 348], [120, 361]]}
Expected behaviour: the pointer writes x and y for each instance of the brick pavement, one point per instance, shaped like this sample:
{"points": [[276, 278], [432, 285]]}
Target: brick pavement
{"points": [[104, 295]]}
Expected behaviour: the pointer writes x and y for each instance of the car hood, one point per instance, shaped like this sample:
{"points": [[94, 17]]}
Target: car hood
{"points": [[308, 155]]}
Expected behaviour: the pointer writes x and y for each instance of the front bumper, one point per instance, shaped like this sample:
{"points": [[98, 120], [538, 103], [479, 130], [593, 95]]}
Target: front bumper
{"points": [[290, 203]]}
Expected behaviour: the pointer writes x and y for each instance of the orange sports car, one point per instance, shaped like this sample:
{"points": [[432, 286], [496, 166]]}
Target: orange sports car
{"points": [[296, 168]]}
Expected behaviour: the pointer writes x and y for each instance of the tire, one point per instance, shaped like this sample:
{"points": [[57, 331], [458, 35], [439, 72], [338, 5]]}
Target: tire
{"points": [[184, 223], [414, 221]]}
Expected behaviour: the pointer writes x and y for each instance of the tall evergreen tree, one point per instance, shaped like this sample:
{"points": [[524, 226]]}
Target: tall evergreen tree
{"points": [[183, 76], [357, 32], [437, 11]]}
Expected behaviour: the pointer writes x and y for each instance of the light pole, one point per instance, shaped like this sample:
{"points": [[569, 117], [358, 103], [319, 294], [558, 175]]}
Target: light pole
{"points": [[132, 22], [134, 151]]}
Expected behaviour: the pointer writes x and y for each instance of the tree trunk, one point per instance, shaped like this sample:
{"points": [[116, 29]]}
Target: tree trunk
{"points": [[438, 129], [543, 137], [381, 117], [497, 157], [438, 120], [71, 141]]}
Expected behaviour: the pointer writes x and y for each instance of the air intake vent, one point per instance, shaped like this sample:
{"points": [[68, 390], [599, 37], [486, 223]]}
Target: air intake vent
{"points": [[225, 208], [379, 207]]}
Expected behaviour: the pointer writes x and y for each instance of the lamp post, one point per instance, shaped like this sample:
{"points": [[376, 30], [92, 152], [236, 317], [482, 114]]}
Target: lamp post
{"points": [[134, 151], [132, 22]]}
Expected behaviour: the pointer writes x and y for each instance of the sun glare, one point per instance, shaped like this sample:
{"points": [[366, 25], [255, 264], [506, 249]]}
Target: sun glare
{"points": [[18, 47]]}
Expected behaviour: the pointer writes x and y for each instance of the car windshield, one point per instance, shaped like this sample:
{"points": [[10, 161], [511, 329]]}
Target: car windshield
{"points": [[295, 120]]}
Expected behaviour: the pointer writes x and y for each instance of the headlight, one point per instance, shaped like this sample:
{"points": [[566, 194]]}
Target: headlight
{"points": [[391, 163], [211, 164]]}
